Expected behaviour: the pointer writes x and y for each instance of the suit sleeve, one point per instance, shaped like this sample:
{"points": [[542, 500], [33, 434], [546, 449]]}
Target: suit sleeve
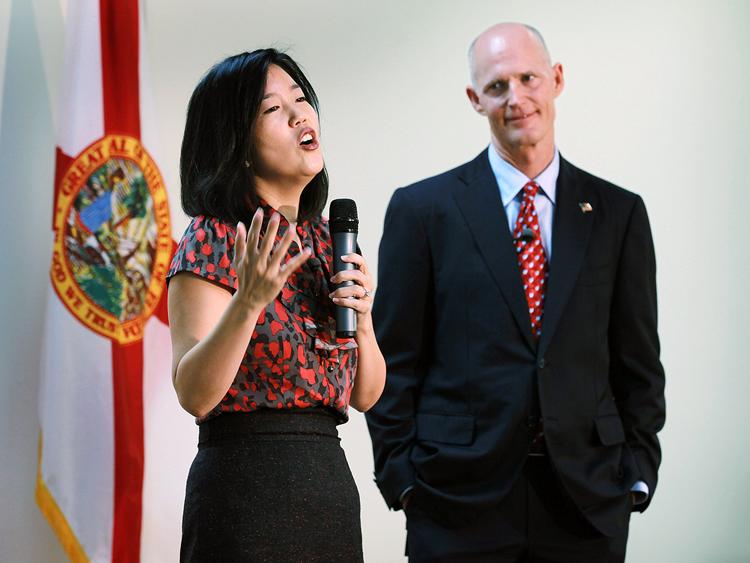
{"points": [[402, 319], [637, 376]]}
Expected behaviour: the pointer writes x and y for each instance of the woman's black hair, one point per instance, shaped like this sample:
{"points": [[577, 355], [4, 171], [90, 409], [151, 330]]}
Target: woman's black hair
{"points": [[217, 144]]}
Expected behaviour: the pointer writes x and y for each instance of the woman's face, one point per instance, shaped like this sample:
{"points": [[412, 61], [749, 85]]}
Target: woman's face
{"points": [[286, 136]]}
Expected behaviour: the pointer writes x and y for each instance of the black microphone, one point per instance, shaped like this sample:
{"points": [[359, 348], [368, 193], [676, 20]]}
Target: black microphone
{"points": [[527, 235], [344, 229]]}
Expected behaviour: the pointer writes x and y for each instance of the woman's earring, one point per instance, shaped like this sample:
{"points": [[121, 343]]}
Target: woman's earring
{"points": [[247, 164]]}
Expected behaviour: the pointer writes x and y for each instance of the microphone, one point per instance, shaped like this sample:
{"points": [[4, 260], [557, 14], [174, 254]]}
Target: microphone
{"points": [[344, 229], [527, 235]]}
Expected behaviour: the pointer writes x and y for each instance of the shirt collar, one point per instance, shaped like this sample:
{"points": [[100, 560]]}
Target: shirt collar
{"points": [[510, 180], [269, 210], [304, 230]]}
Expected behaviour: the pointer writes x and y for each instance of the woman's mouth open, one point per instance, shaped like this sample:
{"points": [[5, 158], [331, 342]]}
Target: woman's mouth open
{"points": [[308, 140]]}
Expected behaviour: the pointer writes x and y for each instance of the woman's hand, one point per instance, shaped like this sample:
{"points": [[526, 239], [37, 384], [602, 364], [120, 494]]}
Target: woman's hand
{"points": [[357, 296], [261, 272], [370, 377]]}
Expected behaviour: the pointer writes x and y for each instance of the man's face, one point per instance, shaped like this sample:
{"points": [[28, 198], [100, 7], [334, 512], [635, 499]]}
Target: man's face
{"points": [[514, 85]]}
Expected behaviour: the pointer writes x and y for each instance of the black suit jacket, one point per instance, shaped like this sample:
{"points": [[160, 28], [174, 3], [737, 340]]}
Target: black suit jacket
{"points": [[465, 376]]}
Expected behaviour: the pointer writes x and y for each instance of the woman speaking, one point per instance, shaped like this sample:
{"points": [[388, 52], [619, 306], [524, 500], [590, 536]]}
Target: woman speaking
{"points": [[255, 357]]}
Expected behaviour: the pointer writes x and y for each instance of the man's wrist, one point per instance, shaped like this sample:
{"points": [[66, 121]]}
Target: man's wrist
{"points": [[639, 492]]}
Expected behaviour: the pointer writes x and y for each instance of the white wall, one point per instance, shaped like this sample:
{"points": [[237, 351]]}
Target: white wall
{"points": [[655, 101]]}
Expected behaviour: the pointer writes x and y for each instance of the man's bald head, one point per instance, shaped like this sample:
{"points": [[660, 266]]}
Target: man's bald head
{"points": [[514, 85], [500, 33]]}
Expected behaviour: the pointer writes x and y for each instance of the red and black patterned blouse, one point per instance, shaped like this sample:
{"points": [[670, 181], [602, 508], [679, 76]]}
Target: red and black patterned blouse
{"points": [[293, 360]]}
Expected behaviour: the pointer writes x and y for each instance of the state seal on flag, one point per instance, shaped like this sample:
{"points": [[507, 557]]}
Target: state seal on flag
{"points": [[113, 240]]}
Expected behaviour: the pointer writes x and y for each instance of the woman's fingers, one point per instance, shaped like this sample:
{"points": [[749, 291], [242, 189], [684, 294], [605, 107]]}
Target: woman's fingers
{"points": [[288, 268], [270, 236], [349, 292], [361, 266], [240, 242], [262, 271], [254, 233], [281, 249], [357, 276], [361, 305], [357, 295], [357, 259]]}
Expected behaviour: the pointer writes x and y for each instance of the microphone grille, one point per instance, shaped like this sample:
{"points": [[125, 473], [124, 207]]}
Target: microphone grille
{"points": [[343, 210]]}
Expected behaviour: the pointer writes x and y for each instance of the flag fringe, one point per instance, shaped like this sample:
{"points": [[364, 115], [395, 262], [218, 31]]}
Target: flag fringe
{"points": [[56, 518]]}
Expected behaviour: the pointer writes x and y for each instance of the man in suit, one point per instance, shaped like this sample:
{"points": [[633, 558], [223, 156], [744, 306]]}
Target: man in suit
{"points": [[516, 311]]}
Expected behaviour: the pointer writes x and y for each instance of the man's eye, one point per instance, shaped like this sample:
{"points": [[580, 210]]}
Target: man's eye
{"points": [[528, 77], [498, 86], [271, 109]]}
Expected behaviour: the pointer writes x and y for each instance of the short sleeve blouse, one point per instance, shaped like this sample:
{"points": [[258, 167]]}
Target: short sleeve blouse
{"points": [[294, 359]]}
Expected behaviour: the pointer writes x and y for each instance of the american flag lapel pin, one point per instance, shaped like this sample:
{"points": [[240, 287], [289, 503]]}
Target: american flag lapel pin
{"points": [[585, 207]]}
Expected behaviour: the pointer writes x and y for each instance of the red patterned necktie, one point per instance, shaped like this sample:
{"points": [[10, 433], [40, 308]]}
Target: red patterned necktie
{"points": [[531, 257]]}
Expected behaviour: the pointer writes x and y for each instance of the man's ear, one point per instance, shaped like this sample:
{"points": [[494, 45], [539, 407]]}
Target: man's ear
{"points": [[557, 70], [474, 99]]}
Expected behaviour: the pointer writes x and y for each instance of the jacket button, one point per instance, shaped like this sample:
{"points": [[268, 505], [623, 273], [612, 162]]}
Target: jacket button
{"points": [[330, 368], [542, 364]]}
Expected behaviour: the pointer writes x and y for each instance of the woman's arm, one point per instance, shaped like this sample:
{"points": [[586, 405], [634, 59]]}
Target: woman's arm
{"points": [[370, 378], [210, 332], [211, 329]]}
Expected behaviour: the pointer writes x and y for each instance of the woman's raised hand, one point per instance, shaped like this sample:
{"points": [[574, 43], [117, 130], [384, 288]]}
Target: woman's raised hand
{"points": [[261, 270]]}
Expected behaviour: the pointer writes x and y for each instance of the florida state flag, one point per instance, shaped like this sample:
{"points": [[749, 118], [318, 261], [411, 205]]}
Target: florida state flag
{"points": [[111, 475]]}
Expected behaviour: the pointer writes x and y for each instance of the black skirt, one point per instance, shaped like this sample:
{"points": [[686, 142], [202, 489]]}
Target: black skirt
{"points": [[271, 486]]}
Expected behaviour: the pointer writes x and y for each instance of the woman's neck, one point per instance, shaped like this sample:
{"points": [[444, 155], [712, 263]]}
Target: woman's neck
{"points": [[285, 202]]}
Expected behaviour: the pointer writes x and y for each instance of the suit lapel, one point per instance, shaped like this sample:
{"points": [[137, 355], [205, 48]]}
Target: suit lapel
{"points": [[570, 234], [478, 199]]}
